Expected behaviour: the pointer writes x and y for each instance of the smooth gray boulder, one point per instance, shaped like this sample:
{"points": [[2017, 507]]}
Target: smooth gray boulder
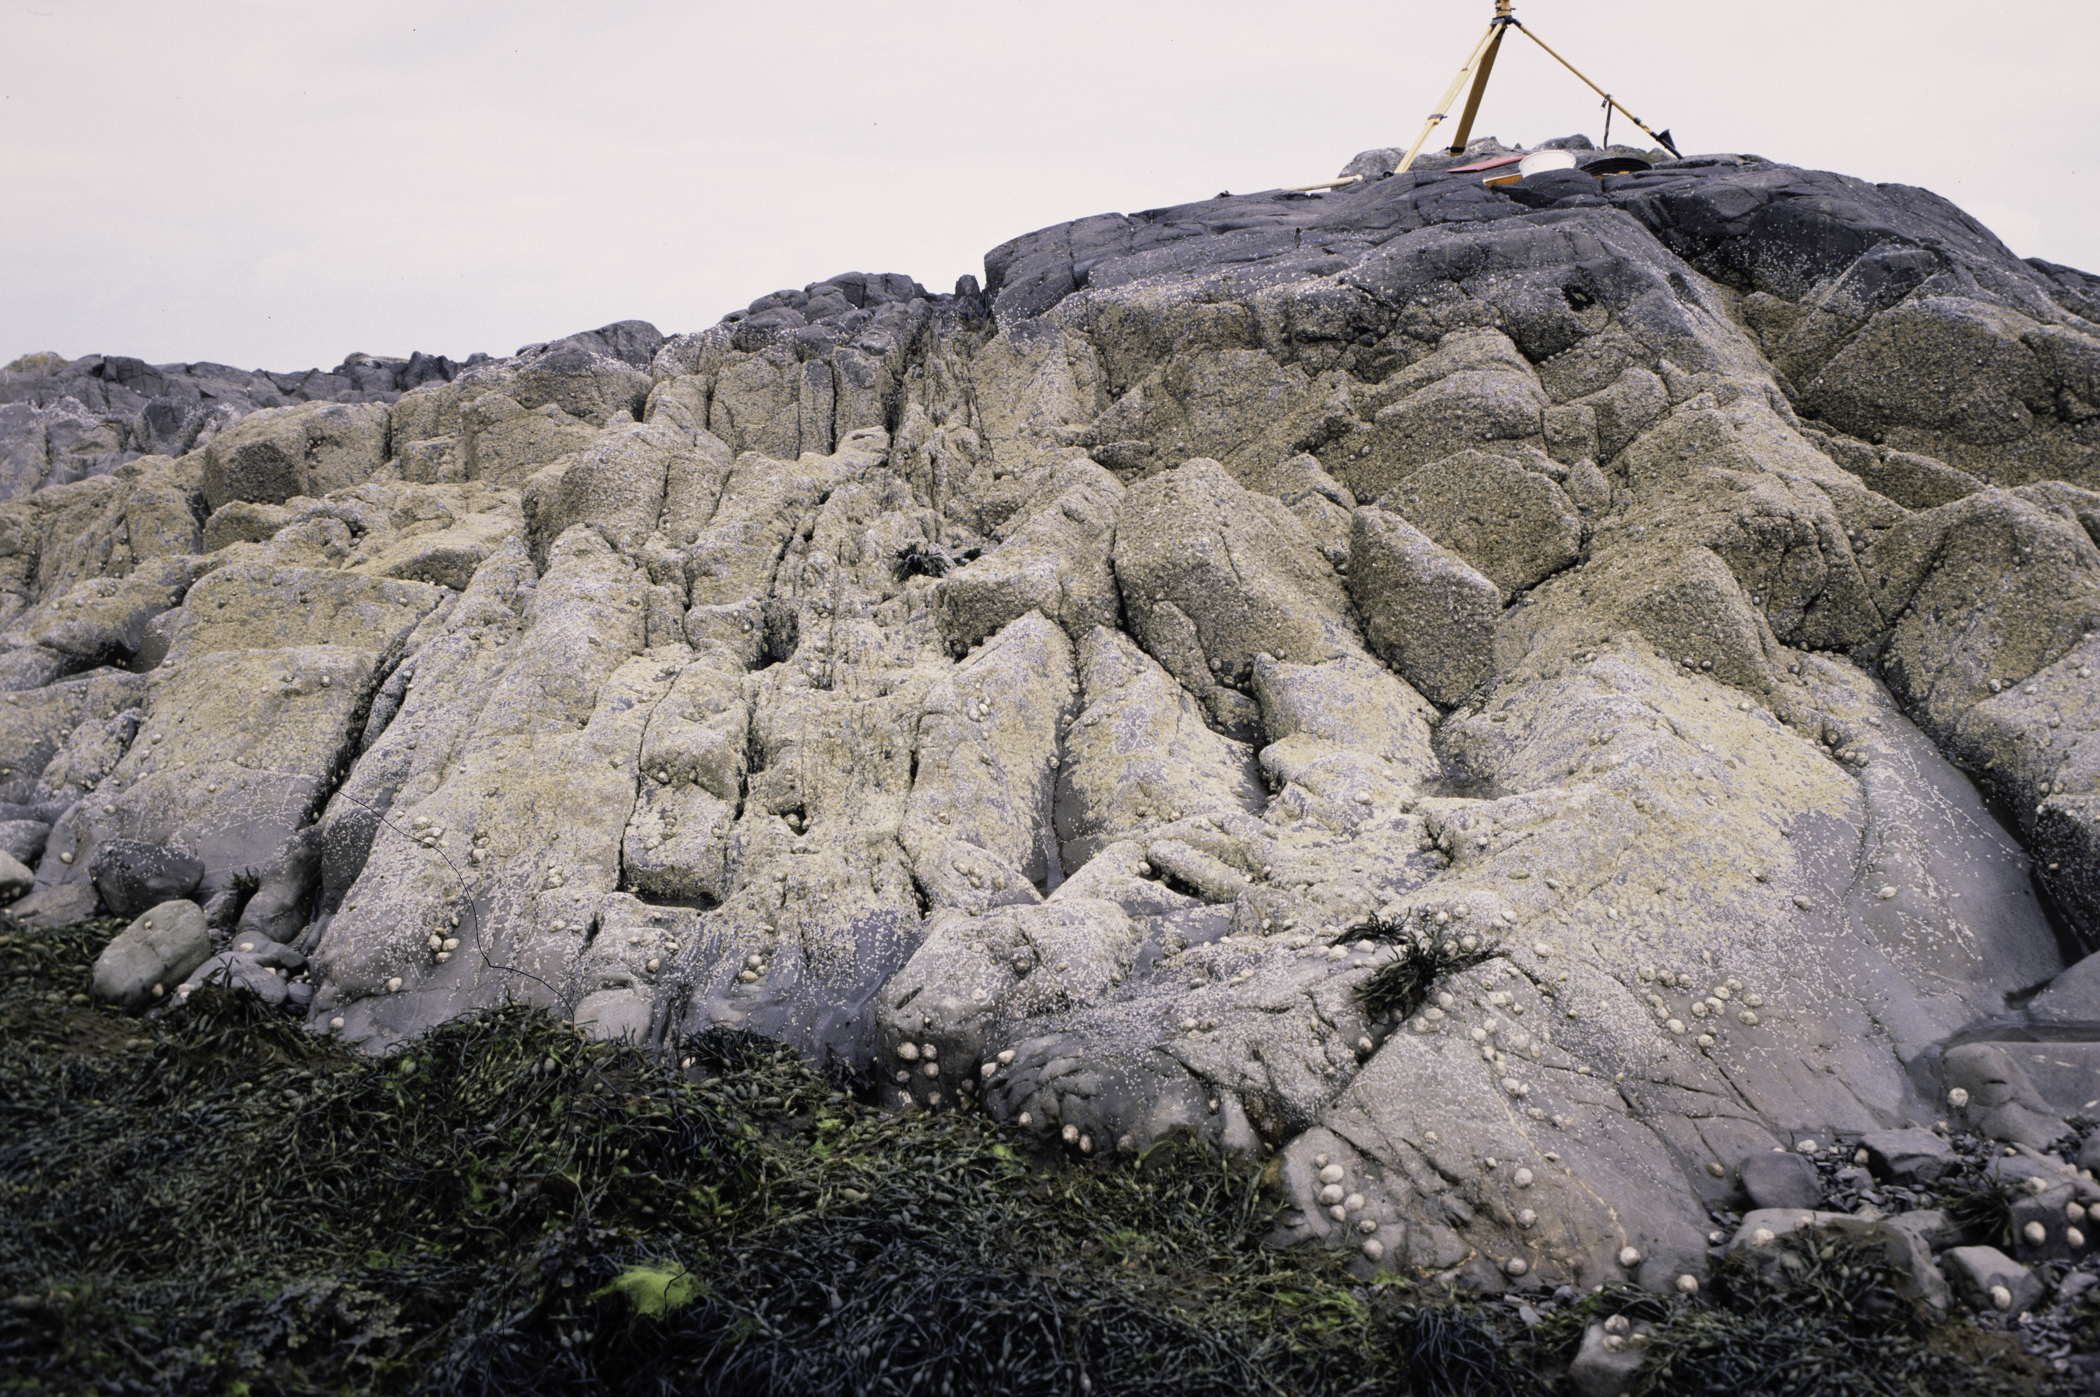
{"points": [[23, 840], [1780, 1179], [146, 960]]}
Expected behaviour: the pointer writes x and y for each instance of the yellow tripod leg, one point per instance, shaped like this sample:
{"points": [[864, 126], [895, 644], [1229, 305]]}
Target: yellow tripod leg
{"points": [[1480, 87], [1660, 138], [1494, 31]]}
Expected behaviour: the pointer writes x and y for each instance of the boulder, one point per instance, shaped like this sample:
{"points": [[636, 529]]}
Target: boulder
{"points": [[132, 875], [16, 877], [1905, 1248], [1909, 1156], [1780, 1179], [1987, 1279], [147, 959]]}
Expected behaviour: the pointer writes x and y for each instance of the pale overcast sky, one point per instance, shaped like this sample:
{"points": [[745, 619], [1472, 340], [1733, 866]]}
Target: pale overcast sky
{"points": [[273, 183]]}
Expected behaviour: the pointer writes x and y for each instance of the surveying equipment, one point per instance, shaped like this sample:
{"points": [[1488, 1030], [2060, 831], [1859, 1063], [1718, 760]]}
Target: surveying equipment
{"points": [[1481, 61]]}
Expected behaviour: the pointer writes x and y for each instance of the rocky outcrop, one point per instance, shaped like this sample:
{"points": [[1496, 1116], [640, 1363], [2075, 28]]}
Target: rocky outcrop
{"points": [[1500, 700]]}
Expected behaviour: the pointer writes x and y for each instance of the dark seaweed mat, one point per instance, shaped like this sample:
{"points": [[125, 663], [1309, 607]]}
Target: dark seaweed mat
{"points": [[221, 1202]]}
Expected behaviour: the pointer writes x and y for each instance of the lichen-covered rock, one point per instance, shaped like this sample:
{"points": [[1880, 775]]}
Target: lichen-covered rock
{"points": [[311, 449], [1086, 696]]}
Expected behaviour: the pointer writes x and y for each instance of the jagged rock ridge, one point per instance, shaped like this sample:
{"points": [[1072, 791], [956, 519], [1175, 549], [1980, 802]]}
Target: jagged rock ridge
{"points": [[1028, 694]]}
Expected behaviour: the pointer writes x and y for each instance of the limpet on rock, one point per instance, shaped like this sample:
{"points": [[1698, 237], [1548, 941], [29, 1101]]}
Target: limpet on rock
{"points": [[1688, 1284], [2035, 1233], [1629, 1257], [1516, 1266], [1958, 1098]]}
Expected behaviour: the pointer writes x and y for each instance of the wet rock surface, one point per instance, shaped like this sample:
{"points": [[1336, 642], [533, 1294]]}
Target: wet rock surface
{"points": [[1664, 604]]}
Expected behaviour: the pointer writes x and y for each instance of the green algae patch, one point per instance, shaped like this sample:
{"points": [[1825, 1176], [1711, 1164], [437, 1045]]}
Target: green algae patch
{"points": [[653, 1291]]}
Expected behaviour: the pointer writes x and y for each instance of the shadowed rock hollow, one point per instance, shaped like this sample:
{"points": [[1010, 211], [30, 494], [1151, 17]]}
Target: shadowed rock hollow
{"points": [[1674, 594]]}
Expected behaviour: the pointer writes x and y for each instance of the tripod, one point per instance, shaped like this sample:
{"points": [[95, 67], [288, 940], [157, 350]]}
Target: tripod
{"points": [[1481, 61]]}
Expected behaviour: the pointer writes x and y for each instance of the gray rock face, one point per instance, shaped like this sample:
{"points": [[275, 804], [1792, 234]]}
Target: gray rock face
{"points": [[1070, 699], [147, 959]]}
